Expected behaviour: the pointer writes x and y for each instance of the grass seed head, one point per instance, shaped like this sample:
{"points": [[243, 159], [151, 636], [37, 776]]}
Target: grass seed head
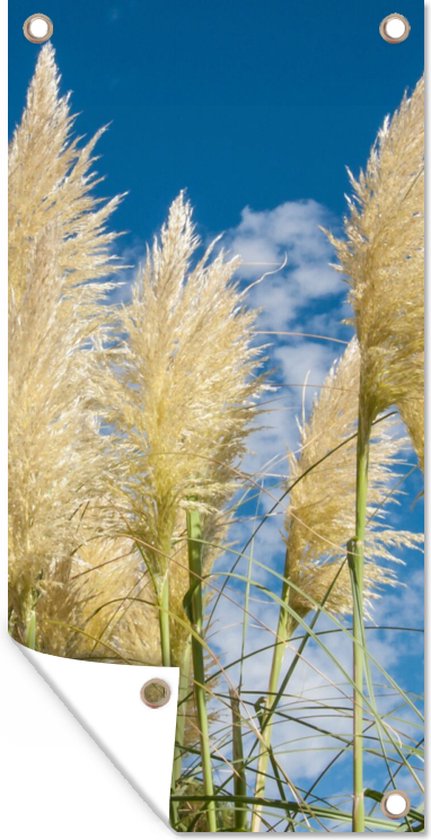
{"points": [[383, 258], [183, 388], [320, 517], [59, 253]]}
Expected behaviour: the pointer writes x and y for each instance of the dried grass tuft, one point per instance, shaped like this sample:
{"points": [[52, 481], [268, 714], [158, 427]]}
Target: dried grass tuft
{"points": [[320, 517], [182, 390], [383, 258], [59, 254]]}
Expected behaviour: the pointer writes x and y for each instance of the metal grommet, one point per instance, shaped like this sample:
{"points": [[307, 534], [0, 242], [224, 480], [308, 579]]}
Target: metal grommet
{"points": [[395, 804], [38, 28], [394, 28], [155, 693]]}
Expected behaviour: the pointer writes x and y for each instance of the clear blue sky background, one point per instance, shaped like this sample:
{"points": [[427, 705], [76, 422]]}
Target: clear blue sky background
{"points": [[243, 102]]}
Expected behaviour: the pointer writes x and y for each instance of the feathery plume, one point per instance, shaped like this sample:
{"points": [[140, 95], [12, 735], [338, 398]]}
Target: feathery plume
{"points": [[383, 258], [183, 388], [59, 252], [114, 613], [320, 518], [321, 513]]}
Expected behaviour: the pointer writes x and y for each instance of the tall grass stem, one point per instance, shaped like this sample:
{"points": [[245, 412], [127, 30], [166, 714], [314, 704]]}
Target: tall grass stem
{"points": [[356, 565], [240, 780], [30, 632], [194, 542], [164, 622], [283, 632], [183, 692]]}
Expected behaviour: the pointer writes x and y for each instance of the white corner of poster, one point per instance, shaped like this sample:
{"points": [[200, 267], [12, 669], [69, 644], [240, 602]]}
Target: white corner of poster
{"points": [[106, 700]]}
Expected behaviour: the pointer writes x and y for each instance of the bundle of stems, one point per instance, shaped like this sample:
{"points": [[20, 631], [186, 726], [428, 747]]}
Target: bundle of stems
{"points": [[181, 370], [321, 516]]}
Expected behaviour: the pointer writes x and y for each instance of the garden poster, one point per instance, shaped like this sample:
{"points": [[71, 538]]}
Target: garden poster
{"points": [[216, 343]]}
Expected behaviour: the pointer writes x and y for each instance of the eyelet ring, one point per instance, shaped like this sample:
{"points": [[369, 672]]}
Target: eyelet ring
{"points": [[155, 693], [38, 28], [395, 804], [394, 28]]}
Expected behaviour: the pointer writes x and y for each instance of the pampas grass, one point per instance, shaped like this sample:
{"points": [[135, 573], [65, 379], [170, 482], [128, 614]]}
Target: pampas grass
{"points": [[128, 426], [183, 390], [59, 251], [320, 517], [383, 259], [321, 513], [114, 610]]}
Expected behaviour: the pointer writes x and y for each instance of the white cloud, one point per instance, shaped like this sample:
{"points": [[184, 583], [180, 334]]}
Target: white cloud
{"points": [[304, 366], [306, 296], [264, 239]]}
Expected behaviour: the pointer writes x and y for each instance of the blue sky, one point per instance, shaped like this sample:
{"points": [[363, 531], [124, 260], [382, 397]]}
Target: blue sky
{"points": [[242, 102], [256, 108]]}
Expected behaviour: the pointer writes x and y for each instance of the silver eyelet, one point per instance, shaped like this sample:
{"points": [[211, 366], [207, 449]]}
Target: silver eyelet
{"points": [[38, 28], [394, 28], [395, 804], [155, 693]]}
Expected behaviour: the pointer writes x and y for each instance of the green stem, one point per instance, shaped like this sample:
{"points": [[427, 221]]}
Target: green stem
{"points": [[195, 609], [164, 621], [284, 631], [240, 780], [356, 565], [30, 630], [183, 691]]}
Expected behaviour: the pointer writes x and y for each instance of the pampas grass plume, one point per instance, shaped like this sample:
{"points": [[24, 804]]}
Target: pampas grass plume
{"points": [[383, 258], [183, 389], [59, 253], [320, 517]]}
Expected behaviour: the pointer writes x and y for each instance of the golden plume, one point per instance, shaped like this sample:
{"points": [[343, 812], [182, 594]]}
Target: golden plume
{"points": [[320, 516], [59, 253], [183, 389], [383, 258]]}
